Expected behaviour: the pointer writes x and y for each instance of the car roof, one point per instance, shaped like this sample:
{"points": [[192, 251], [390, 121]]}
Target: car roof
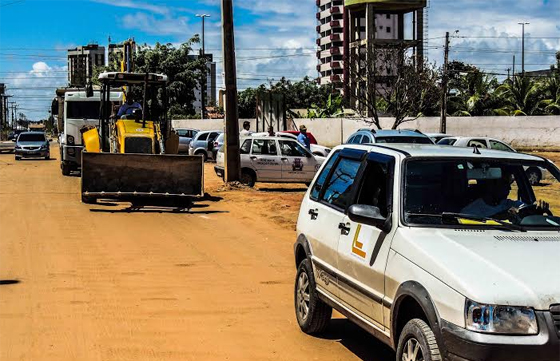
{"points": [[33, 132], [210, 131], [438, 151], [394, 133]]}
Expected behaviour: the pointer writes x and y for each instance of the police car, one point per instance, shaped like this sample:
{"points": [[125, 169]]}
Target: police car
{"points": [[442, 253], [273, 160]]}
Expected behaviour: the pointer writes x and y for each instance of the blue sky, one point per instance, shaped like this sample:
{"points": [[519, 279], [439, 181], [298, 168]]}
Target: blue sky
{"points": [[273, 38]]}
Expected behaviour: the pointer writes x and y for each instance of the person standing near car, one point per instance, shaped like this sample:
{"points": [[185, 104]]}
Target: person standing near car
{"points": [[303, 138], [246, 129]]}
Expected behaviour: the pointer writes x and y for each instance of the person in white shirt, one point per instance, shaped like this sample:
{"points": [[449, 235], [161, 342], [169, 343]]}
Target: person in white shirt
{"points": [[246, 129]]}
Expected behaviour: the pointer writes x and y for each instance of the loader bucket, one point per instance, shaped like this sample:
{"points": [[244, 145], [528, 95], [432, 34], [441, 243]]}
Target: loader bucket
{"points": [[126, 176]]}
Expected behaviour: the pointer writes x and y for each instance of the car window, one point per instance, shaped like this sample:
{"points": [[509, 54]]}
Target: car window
{"points": [[358, 139], [365, 140], [351, 140], [494, 144], [376, 187], [404, 140], [447, 141], [31, 137], [245, 147], [479, 143], [203, 136], [338, 189], [264, 147], [292, 149], [213, 136], [318, 186]]}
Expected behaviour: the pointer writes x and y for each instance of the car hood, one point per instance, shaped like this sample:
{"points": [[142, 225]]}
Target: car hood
{"points": [[492, 267], [32, 144]]}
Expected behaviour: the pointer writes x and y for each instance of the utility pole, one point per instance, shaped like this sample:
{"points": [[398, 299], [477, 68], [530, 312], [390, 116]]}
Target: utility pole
{"points": [[204, 81], [232, 171], [523, 48], [508, 70], [513, 77], [444, 83]]}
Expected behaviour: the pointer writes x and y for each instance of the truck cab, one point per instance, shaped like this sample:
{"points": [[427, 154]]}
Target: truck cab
{"points": [[79, 111]]}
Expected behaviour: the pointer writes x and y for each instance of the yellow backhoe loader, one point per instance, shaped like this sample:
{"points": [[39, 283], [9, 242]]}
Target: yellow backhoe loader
{"points": [[134, 154]]}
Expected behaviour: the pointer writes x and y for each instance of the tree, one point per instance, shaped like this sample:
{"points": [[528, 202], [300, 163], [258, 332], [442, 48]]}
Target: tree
{"points": [[386, 81], [182, 69], [332, 107], [521, 96]]}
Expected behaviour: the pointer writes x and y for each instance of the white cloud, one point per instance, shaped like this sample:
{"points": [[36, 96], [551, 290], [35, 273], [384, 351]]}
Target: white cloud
{"points": [[130, 4]]}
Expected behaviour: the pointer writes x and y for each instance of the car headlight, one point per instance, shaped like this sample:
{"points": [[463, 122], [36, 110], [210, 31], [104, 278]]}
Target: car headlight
{"points": [[70, 140], [497, 319]]}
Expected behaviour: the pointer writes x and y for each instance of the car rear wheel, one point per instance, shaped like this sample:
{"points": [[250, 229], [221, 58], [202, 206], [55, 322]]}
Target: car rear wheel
{"points": [[313, 315], [417, 343], [203, 155], [248, 178]]}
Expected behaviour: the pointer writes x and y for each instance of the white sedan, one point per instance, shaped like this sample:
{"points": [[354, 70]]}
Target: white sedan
{"points": [[535, 174], [273, 160]]}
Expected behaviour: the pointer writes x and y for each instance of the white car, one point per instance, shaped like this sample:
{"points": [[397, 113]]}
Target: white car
{"points": [[316, 149], [8, 146], [274, 160], [534, 173], [442, 253]]}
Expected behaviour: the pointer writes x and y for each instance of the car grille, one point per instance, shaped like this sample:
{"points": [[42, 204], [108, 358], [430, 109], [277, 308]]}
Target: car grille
{"points": [[32, 148], [555, 310]]}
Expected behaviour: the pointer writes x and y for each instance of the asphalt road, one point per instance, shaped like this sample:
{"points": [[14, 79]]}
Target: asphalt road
{"points": [[104, 282]]}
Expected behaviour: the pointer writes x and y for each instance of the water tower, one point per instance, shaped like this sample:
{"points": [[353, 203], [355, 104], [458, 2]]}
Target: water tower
{"points": [[381, 24]]}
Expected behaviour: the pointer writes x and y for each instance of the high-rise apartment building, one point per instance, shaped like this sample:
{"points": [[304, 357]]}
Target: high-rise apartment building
{"points": [[81, 62]]}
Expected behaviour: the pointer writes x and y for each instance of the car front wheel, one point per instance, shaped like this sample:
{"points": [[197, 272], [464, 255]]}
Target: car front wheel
{"points": [[417, 343], [313, 315]]}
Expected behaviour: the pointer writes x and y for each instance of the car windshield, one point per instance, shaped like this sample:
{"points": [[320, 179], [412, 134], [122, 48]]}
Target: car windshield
{"points": [[488, 192], [404, 140], [31, 137]]}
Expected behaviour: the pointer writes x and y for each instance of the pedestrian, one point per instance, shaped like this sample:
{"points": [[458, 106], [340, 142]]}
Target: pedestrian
{"points": [[303, 138], [271, 131], [246, 129]]}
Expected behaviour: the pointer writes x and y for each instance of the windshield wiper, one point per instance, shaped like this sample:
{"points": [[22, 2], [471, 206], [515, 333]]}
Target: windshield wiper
{"points": [[471, 217]]}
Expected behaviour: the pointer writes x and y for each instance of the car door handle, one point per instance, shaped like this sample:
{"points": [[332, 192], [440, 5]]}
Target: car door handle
{"points": [[344, 228], [314, 213], [284, 159]]}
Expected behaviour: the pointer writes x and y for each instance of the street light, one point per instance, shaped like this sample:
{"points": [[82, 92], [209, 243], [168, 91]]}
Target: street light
{"points": [[204, 81], [523, 48]]}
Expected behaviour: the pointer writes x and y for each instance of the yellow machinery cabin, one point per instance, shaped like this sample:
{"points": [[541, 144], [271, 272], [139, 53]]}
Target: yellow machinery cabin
{"points": [[132, 137]]}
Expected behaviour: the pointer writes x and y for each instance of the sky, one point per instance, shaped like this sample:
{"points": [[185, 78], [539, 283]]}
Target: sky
{"points": [[273, 38]]}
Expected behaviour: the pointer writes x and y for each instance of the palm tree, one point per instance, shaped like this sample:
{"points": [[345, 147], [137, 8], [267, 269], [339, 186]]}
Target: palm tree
{"points": [[520, 96]]}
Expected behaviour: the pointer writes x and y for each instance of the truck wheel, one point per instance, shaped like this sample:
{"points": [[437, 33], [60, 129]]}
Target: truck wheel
{"points": [[418, 342], [313, 315], [534, 175], [65, 169], [248, 178]]}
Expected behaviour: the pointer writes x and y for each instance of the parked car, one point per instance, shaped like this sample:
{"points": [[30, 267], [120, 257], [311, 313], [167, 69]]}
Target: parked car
{"points": [[316, 149], [32, 145], [218, 143], [8, 146], [185, 137], [436, 137], [274, 160], [203, 143], [372, 136], [534, 173], [387, 236]]}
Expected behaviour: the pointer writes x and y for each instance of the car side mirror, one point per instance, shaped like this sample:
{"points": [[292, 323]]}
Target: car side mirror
{"points": [[369, 215]]}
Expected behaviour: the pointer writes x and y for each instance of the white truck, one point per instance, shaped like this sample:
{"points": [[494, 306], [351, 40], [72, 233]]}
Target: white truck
{"points": [[79, 111]]}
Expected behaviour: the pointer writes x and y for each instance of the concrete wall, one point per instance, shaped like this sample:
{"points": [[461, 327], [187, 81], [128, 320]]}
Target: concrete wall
{"points": [[521, 132]]}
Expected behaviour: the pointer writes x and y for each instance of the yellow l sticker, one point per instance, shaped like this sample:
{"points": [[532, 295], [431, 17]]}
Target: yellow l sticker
{"points": [[357, 246]]}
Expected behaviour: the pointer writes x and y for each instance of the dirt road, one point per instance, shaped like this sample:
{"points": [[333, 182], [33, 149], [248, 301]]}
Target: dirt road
{"points": [[81, 282]]}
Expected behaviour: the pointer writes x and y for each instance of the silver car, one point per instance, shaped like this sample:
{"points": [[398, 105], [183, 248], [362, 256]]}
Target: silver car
{"points": [[185, 137], [32, 145], [203, 143]]}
